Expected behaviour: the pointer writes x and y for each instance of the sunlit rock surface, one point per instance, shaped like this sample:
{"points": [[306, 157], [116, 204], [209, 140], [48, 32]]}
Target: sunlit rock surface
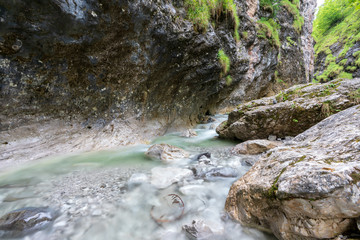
{"points": [[290, 112], [308, 188], [255, 146]]}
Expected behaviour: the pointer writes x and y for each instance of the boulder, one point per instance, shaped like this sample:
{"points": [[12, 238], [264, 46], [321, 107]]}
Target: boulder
{"points": [[255, 146], [210, 172], [189, 133], [166, 153], [295, 110], [164, 177], [24, 221], [307, 189], [201, 230]]}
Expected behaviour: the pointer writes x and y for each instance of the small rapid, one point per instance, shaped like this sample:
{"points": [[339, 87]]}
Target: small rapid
{"points": [[110, 195]]}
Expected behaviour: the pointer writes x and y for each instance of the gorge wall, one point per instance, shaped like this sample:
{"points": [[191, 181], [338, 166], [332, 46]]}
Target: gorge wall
{"points": [[101, 60]]}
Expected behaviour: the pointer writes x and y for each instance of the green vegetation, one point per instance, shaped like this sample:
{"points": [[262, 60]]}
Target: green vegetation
{"points": [[268, 29], [351, 68], [224, 61], [200, 12], [228, 80], [355, 95], [245, 35], [293, 8], [225, 64], [329, 59], [343, 62], [356, 54], [277, 78], [345, 75], [270, 6], [290, 41], [337, 21]]}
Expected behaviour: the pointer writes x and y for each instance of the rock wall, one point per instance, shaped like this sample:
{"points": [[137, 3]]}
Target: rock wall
{"points": [[290, 112], [94, 61], [308, 188]]}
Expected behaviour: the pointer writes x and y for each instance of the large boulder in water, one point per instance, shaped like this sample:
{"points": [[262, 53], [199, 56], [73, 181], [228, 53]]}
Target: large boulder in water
{"points": [[308, 188], [166, 153], [24, 221], [291, 112]]}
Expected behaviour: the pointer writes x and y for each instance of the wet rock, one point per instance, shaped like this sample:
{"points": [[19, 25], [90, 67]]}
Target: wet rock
{"points": [[211, 173], [170, 208], [166, 153], [137, 179], [163, 177], [249, 160], [253, 147], [189, 133], [272, 138], [204, 158], [225, 172], [298, 108], [192, 189], [308, 188], [25, 221], [206, 154], [199, 230], [208, 119]]}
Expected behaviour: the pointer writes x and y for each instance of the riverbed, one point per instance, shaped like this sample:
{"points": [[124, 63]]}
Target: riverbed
{"points": [[111, 195]]}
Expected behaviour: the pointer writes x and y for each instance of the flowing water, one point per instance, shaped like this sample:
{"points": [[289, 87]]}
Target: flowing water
{"points": [[96, 200]]}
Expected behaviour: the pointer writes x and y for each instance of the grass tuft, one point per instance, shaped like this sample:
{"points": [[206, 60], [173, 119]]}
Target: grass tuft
{"points": [[224, 61], [200, 13]]}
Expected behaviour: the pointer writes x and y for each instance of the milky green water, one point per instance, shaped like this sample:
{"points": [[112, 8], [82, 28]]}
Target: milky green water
{"points": [[122, 216]]}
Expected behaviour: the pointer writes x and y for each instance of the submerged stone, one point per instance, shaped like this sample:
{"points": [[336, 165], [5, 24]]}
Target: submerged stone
{"points": [[164, 177], [166, 153], [201, 230], [24, 221]]}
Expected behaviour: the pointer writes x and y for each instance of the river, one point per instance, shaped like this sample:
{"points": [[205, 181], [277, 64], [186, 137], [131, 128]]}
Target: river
{"points": [[109, 195]]}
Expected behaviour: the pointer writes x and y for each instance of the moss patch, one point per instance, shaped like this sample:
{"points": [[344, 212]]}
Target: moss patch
{"points": [[293, 8], [268, 29], [224, 61]]}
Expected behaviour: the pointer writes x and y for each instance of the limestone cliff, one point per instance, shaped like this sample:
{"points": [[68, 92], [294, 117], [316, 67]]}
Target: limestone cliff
{"points": [[95, 62], [100, 60]]}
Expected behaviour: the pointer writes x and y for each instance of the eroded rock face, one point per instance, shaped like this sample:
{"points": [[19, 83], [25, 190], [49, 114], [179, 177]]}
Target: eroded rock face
{"points": [[99, 60], [113, 64], [290, 112], [306, 189]]}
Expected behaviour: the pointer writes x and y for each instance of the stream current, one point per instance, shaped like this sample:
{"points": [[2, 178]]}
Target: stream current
{"points": [[109, 195]]}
